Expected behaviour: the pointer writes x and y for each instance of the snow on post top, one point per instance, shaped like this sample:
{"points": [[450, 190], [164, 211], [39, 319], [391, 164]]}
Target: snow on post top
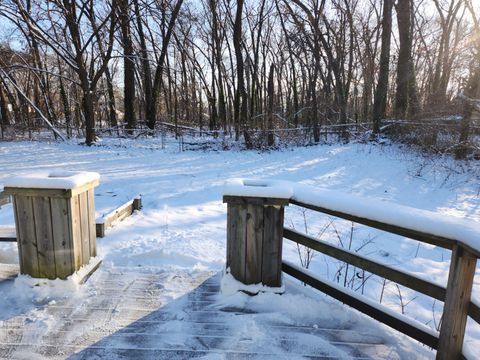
{"points": [[258, 188], [53, 180]]}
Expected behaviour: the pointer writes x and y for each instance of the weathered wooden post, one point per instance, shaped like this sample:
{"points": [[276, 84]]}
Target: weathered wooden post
{"points": [[255, 234], [54, 221], [457, 301]]}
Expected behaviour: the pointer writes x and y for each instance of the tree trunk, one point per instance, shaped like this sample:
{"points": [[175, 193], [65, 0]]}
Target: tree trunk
{"points": [[89, 115], [4, 118], [146, 70], [241, 99], [405, 101], [112, 107], [271, 96], [152, 111], [128, 66], [380, 102]]}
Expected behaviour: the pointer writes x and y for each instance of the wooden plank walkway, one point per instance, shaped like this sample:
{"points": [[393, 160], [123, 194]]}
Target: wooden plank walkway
{"points": [[126, 313]]}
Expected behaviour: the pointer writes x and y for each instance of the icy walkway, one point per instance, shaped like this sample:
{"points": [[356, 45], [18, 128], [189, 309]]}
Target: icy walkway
{"points": [[126, 313]]}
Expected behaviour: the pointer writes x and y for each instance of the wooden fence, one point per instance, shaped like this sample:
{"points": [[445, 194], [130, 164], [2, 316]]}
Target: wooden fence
{"points": [[456, 296], [4, 198], [7, 233], [117, 215]]}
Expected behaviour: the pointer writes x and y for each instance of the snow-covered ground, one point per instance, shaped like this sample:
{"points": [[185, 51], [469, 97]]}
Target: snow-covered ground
{"points": [[183, 222]]}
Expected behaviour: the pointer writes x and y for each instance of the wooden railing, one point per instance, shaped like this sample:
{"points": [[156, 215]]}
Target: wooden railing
{"points": [[456, 295], [7, 233], [4, 199], [117, 215], [256, 231]]}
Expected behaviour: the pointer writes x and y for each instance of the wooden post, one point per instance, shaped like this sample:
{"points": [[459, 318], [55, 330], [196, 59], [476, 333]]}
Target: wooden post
{"points": [[254, 239], [55, 227], [457, 300]]}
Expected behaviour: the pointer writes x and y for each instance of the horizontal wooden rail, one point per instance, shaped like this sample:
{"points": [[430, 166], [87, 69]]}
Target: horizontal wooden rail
{"points": [[357, 260], [393, 229], [474, 311], [456, 296], [7, 233], [403, 278], [4, 198], [455, 236], [367, 307], [118, 214]]}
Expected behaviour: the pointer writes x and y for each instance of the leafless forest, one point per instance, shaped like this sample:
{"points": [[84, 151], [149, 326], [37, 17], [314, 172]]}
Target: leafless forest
{"points": [[259, 71]]}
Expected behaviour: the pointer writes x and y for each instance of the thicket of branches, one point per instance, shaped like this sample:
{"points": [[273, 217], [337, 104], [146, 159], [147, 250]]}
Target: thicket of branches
{"points": [[243, 68]]}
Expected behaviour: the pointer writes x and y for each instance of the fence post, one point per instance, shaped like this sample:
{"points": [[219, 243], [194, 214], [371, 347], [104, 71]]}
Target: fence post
{"points": [[254, 239], [54, 222], [457, 300]]}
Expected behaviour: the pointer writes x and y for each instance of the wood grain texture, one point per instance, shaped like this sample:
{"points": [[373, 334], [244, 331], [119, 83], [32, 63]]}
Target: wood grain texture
{"points": [[238, 216], [62, 240], [244, 200], [84, 227], [44, 234], [17, 227], [100, 229], [412, 234], [356, 302], [4, 198], [27, 240], [117, 215], [38, 192], [92, 231], [137, 203], [457, 302], [76, 234], [62, 193], [230, 234], [360, 261], [272, 246], [254, 242], [83, 188], [474, 312]]}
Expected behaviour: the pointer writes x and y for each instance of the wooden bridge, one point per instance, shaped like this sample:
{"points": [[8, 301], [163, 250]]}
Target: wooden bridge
{"points": [[254, 253], [123, 313], [180, 314]]}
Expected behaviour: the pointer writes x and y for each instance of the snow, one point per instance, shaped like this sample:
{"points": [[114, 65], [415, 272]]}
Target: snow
{"points": [[256, 187], [182, 226], [390, 213], [57, 179], [45, 290], [116, 211], [386, 212], [368, 301], [230, 285]]}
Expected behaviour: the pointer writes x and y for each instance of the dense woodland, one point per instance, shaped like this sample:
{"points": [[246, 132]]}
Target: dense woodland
{"points": [[252, 69]]}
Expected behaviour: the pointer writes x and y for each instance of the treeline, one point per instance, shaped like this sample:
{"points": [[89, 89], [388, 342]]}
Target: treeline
{"points": [[241, 67]]}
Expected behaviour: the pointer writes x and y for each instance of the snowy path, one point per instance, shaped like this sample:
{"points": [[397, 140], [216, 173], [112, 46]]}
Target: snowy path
{"points": [[126, 313]]}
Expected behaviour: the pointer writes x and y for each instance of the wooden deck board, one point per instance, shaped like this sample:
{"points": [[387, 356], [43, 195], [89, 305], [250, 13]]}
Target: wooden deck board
{"points": [[126, 313]]}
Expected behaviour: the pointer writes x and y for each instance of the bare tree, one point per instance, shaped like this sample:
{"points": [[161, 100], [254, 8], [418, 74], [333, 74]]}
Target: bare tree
{"points": [[380, 104], [406, 103]]}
